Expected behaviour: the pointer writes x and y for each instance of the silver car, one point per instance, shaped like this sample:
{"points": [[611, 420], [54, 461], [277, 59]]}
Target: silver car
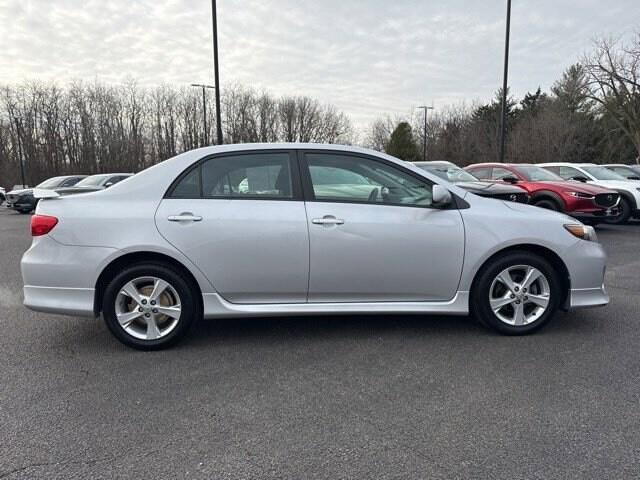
{"points": [[296, 229]]}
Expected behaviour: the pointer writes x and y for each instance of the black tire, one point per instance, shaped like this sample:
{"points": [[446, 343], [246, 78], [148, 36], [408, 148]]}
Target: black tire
{"points": [[625, 213], [191, 305], [24, 211], [547, 203], [481, 309]]}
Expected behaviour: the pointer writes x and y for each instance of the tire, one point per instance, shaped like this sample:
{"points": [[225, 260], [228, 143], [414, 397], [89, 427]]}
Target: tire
{"points": [[24, 211], [625, 213], [179, 298], [533, 317], [549, 204]]}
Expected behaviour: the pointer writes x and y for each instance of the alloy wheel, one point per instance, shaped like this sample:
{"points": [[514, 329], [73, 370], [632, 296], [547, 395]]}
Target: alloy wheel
{"points": [[148, 308], [519, 295]]}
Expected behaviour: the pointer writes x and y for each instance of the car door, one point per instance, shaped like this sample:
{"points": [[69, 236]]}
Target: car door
{"points": [[241, 219], [373, 233]]}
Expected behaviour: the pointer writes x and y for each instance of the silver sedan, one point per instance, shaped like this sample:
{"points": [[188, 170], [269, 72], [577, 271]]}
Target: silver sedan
{"points": [[294, 229]]}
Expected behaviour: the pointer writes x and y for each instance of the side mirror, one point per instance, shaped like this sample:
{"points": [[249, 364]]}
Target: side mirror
{"points": [[510, 180], [633, 177], [441, 197], [108, 184], [580, 178]]}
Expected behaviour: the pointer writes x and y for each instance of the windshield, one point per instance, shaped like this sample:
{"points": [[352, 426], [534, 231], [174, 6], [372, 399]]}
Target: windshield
{"points": [[538, 174], [602, 173], [92, 181], [51, 183], [451, 173]]}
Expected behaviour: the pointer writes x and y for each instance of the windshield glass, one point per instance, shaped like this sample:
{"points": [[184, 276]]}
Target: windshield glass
{"points": [[602, 173], [51, 183], [92, 181], [538, 174], [451, 173]]}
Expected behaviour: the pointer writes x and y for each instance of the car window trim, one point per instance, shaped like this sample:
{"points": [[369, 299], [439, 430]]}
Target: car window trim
{"points": [[309, 194], [296, 188]]}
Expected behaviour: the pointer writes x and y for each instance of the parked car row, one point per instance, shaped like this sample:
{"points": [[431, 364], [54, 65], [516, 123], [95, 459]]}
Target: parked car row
{"points": [[588, 192], [24, 201]]}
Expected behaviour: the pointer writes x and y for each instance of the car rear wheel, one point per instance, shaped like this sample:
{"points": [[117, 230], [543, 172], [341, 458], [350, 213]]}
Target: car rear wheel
{"points": [[150, 306], [625, 213], [516, 294]]}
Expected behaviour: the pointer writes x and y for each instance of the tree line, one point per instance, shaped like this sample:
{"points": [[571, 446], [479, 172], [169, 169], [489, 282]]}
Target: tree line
{"points": [[94, 128], [590, 114]]}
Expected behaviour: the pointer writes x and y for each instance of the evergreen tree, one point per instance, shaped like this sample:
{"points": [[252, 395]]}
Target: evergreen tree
{"points": [[402, 144]]}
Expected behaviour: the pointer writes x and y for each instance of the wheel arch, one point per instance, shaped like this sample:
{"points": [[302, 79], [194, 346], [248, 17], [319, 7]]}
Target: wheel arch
{"points": [[629, 198], [117, 264], [552, 257], [548, 195]]}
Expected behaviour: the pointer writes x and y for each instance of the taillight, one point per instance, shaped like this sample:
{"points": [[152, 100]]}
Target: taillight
{"points": [[42, 224]]}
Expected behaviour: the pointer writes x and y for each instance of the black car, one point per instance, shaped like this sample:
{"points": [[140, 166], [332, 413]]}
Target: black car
{"points": [[463, 179], [23, 201]]}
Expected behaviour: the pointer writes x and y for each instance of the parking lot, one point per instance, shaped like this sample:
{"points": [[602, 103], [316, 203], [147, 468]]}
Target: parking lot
{"points": [[324, 397]]}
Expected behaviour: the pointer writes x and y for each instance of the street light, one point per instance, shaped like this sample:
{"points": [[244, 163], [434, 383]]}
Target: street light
{"points": [[204, 108], [503, 123], [424, 143], [214, 21]]}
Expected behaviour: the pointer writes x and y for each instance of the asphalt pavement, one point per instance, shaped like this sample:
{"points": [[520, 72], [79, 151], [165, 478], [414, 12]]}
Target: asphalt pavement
{"points": [[324, 397]]}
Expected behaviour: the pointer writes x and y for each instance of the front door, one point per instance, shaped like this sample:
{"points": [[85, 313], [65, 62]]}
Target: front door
{"points": [[240, 218], [374, 235]]}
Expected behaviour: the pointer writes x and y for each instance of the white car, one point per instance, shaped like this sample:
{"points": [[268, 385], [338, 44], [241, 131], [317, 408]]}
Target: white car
{"points": [[294, 229], [629, 190]]}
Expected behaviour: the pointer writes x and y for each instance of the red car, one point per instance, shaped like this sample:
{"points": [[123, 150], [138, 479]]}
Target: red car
{"points": [[588, 203]]}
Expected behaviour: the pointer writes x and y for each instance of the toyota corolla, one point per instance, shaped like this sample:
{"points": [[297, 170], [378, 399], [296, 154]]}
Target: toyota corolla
{"points": [[296, 229]]}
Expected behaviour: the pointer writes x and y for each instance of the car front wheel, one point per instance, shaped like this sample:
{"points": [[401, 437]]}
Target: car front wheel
{"points": [[624, 215], [516, 294], [150, 306]]}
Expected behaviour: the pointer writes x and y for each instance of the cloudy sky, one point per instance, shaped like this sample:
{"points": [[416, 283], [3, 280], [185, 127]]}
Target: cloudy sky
{"points": [[368, 57]]}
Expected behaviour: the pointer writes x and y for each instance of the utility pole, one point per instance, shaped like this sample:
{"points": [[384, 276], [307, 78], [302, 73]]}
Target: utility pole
{"points": [[24, 184], [204, 109], [214, 19], [424, 133], [505, 84]]}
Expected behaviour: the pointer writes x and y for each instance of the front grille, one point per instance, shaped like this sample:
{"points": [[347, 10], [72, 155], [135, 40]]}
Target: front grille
{"points": [[513, 197], [606, 200]]}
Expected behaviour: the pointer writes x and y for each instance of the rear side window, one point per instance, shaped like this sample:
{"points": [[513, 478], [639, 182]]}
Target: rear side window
{"points": [[254, 175]]}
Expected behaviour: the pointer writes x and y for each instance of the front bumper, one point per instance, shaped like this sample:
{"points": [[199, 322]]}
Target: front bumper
{"points": [[586, 262]]}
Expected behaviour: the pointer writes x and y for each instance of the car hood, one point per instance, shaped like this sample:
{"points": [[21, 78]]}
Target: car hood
{"points": [[575, 186], [490, 188], [618, 184], [537, 211], [21, 191]]}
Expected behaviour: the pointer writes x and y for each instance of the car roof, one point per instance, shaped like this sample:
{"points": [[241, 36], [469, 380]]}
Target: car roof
{"points": [[435, 163]]}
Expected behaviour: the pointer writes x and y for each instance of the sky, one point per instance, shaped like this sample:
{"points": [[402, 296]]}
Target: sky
{"points": [[369, 58]]}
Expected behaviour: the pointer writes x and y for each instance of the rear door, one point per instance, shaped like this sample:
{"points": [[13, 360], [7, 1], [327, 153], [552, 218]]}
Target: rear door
{"points": [[241, 219], [374, 235]]}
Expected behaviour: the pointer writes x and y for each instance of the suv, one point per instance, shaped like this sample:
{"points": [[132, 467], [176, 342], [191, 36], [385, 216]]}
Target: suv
{"points": [[588, 203], [599, 175]]}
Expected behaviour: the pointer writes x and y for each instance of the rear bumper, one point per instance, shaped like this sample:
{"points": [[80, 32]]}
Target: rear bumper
{"points": [[68, 301]]}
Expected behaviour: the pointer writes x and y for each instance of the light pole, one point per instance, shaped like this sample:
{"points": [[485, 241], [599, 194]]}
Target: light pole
{"points": [[204, 109], [424, 138], [505, 83], [214, 20]]}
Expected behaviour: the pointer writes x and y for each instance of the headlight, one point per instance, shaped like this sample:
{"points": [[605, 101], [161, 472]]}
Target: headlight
{"points": [[583, 232], [581, 195]]}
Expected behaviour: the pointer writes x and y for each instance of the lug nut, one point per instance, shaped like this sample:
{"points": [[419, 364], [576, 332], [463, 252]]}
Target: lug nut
{"points": [[144, 302], [517, 302], [148, 314], [153, 302], [513, 296], [517, 289], [140, 309], [155, 310], [524, 290]]}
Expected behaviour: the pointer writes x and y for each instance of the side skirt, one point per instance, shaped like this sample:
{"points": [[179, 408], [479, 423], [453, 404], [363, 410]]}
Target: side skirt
{"points": [[217, 307]]}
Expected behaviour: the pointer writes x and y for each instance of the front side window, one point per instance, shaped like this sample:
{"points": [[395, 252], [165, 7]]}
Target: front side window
{"points": [[602, 173], [483, 173], [500, 173], [253, 175], [336, 177]]}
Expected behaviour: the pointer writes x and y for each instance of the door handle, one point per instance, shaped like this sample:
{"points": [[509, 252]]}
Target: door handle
{"points": [[327, 220], [184, 217]]}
